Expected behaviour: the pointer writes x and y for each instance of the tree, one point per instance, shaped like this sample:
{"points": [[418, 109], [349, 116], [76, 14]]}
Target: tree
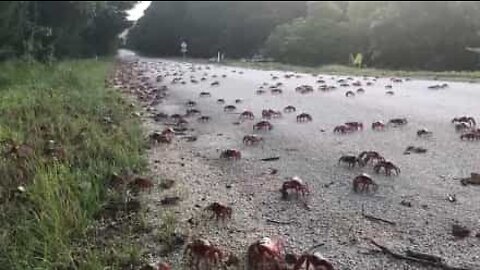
{"points": [[46, 29], [237, 28], [426, 35], [320, 38]]}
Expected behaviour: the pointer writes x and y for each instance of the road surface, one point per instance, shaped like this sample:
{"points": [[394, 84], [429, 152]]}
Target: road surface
{"points": [[333, 218]]}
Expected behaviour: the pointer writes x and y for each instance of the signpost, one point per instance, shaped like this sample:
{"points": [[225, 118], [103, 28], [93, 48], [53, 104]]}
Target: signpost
{"points": [[183, 49]]}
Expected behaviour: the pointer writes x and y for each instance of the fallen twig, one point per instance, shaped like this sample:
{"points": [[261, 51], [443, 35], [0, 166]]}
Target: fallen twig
{"points": [[169, 200], [270, 159], [328, 184], [307, 207], [424, 259], [370, 217], [314, 247], [423, 256], [279, 222]]}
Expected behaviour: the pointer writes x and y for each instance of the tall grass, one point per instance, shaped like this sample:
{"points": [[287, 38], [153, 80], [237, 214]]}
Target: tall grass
{"points": [[42, 227]]}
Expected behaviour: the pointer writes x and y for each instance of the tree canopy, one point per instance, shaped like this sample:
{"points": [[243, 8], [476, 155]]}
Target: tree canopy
{"points": [[412, 35], [47, 29], [237, 28]]}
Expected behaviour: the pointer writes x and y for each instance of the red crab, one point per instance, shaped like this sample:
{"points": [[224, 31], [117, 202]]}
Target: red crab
{"points": [[276, 91], [355, 125], [220, 211], [398, 121], [424, 133], [141, 183], [343, 129], [363, 182], [263, 125], [191, 112], [267, 114], [349, 94], [252, 139], [367, 156], [19, 151], [350, 160], [465, 119], [229, 108], [204, 118], [304, 89], [378, 125], [304, 117], [357, 83], [191, 103], [202, 250], [387, 166], [462, 126], [296, 184], [470, 136], [316, 260], [157, 137], [275, 114], [182, 122], [247, 115], [266, 254], [289, 109], [231, 154], [163, 266], [176, 117]]}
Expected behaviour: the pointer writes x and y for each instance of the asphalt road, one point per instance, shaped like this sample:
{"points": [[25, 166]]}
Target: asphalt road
{"points": [[311, 151]]}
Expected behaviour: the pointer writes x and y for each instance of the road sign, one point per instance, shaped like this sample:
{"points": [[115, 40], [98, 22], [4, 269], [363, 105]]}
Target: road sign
{"points": [[183, 49]]}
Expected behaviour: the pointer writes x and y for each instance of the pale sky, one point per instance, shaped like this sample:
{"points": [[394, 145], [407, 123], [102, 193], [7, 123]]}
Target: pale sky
{"points": [[137, 12]]}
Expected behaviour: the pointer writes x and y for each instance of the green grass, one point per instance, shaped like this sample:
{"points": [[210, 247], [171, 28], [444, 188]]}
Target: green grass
{"points": [[352, 71], [166, 232], [49, 226]]}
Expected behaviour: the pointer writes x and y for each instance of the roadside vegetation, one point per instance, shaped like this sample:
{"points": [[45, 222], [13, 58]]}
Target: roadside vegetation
{"points": [[437, 36], [63, 135], [472, 76]]}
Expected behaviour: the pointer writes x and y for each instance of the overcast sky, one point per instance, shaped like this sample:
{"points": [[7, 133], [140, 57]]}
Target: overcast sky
{"points": [[137, 12]]}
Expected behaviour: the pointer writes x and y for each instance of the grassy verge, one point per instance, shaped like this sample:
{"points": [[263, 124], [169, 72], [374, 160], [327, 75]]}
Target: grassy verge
{"points": [[58, 152], [346, 70]]}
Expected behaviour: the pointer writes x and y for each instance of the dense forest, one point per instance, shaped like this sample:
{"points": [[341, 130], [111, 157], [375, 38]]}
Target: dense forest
{"points": [[412, 35], [45, 30], [236, 28]]}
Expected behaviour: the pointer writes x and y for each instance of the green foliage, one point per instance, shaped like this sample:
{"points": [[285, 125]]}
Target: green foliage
{"points": [[470, 76], [166, 233], [427, 35], [412, 35], [42, 227], [415, 35], [236, 28], [44, 30]]}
